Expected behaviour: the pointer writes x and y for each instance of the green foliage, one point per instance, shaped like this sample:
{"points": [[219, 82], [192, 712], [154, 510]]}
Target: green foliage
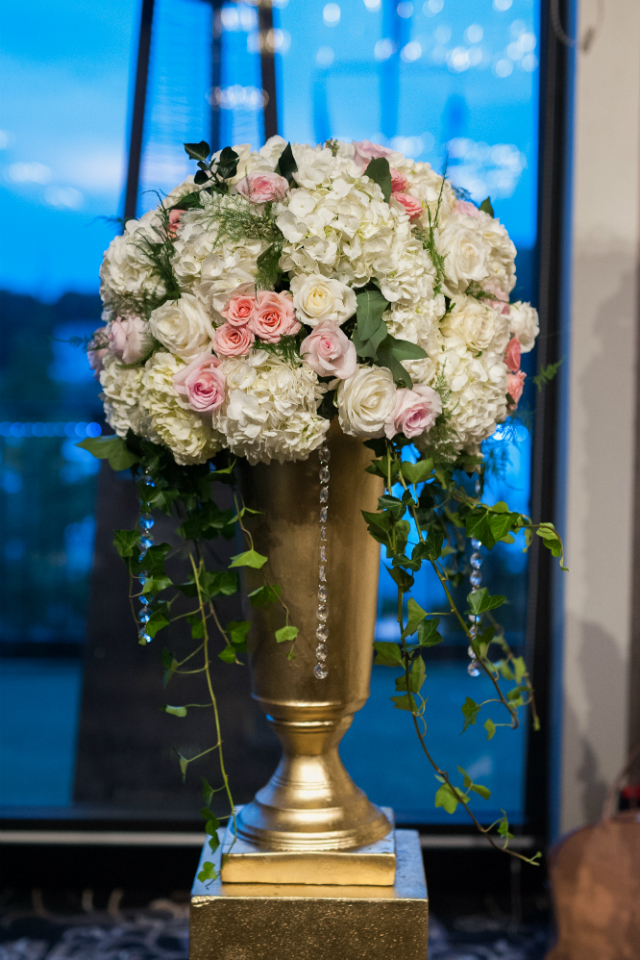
{"points": [[490, 727], [480, 602], [126, 541], [112, 449], [176, 711], [287, 166], [250, 558], [264, 595], [285, 634], [208, 872], [547, 374], [379, 171], [470, 711], [486, 206]]}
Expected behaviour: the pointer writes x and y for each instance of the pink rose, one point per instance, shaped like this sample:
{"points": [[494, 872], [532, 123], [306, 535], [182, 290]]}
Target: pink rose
{"points": [[398, 181], [515, 385], [96, 361], [263, 187], [366, 151], [239, 310], [501, 301], [274, 316], [130, 339], [512, 358], [202, 383], [174, 222], [230, 341], [467, 208], [411, 205], [329, 352], [415, 412]]}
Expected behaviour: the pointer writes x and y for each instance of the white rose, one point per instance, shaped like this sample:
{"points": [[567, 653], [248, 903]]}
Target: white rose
{"points": [[317, 298], [479, 325], [366, 401], [523, 323], [465, 251], [182, 326]]}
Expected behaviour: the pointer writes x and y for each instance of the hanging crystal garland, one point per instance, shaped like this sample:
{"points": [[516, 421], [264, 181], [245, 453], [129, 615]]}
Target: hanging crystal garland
{"points": [[473, 668], [321, 670], [145, 523]]}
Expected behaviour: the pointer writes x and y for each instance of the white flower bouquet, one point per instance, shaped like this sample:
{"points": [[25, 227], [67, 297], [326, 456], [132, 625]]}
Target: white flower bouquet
{"points": [[269, 294]]}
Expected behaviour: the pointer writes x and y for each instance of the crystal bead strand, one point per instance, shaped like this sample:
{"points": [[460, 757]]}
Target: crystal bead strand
{"points": [[473, 668], [321, 670], [145, 523]]}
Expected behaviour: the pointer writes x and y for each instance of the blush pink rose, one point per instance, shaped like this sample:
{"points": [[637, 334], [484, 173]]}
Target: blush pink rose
{"points": [[366, 151], [512, 358], [415, 411], [263, 187], [274, 316], [411, 205], [515, 385], [230, 341], [129, 339], [398, 181], [239, 310], [202, 383], [174, 222], [96, 361], [467, 208], [501, 301], [329, 352]]}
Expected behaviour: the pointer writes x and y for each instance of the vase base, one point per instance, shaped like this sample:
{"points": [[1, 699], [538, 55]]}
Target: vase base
{"points": [[372, 865], [265, 921]]}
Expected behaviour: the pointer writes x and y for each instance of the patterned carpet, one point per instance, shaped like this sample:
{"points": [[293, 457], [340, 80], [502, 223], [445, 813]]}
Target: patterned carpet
{"points": [[161, 932]]}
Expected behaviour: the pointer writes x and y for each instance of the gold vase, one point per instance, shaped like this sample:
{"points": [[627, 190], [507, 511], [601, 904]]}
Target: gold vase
{"points": [[311, 803]]}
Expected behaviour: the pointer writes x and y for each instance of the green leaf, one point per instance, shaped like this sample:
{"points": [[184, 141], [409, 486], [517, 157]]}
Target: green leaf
{"points": [[417, 472], [208, 872], [176, 711], [184, 763], [417, 675], [519, 668], [401, 377], [392, 505], [157, 621], [156, 584], [379, 171], [286, 633], [201, 178], [227, 166], [503, 828], [197, 151], [387, 654], [264, 595], [237, 631], [428, 635], [486, 206], [483, 792], [228, 655], [250, 558], [551, 539], [405, 702], [402, 578], [415, 616], [287, 165], [214, 842], [207, 794], [447, 798], [479, 601], [403, 349], [126, 541], [113, 449], [490, 727], [212, 825], [470, 710], [370, 328]]}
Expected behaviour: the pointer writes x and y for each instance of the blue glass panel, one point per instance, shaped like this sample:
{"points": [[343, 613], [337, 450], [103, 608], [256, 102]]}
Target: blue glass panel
{"points": [[63, 131], [455, 84]]}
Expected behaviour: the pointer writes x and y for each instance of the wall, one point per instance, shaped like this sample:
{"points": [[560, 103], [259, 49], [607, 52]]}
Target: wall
{"points": [[601, 435]]}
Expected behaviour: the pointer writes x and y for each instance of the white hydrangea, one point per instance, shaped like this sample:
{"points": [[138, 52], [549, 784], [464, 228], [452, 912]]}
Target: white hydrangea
{"points": [[270, 412], [127, 270], [121, 394], [190, 437], [524, 324], [478, 397]]}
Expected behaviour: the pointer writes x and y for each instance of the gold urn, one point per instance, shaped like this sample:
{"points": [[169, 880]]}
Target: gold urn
{"points": [[311, 805]]}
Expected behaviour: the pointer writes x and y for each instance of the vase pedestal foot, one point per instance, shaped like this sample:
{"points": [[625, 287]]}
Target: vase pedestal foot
{"points": [[289, 921], [370, 865]]}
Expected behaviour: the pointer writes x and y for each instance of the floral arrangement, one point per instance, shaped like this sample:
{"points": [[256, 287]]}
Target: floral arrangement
{"points": [[275, 290]]}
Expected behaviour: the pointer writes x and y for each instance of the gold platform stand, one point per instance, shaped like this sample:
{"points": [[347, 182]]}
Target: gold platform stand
{"points": [[371, 865], [287, 921]]}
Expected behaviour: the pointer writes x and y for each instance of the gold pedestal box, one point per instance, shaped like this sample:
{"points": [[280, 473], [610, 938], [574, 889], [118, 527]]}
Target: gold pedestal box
{"points": [[269, 921]]}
